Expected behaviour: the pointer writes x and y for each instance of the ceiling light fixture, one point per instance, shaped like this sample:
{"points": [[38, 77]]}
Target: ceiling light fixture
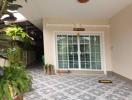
{"points": [[82, 1]]}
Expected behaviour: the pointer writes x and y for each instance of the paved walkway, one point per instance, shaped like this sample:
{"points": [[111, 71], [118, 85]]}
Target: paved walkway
{"points": [[76, 87]]}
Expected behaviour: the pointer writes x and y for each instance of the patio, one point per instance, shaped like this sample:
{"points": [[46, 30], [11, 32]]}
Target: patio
{"points": [[77, 87]]}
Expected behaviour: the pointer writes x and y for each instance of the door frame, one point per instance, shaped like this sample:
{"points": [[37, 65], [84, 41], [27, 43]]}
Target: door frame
{"points": [[102, 49]]}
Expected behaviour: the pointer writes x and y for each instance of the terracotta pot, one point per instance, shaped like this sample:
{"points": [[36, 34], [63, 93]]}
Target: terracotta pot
{"points": [[48, 71], [18, 97], [64, 71], [83, 1]]}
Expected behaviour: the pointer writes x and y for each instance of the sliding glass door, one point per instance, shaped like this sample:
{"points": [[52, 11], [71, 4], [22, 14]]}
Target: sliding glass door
{"points": [[90, 57], [73, 51], [79, 51], [63, 58], [85, 52]]}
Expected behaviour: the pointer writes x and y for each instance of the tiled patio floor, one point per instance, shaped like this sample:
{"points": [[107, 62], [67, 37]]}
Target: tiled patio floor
{"points": [[76, 87]]}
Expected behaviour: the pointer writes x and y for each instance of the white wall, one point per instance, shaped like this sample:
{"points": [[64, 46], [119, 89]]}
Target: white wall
{"points": [[49, 38], [32, 10], [121, 30]]}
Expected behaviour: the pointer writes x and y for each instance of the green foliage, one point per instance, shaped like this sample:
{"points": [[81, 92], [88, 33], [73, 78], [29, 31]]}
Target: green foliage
{"points": [[14, 54], [14, 81], [16, 32], [48, 66], [49, 69]]}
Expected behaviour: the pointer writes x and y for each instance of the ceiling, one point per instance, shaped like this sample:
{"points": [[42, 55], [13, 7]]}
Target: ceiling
{"points": [[95, 9]]}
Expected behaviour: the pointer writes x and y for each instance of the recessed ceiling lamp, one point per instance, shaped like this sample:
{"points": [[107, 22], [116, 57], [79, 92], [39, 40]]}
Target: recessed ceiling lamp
{"points": [[82, 1]]}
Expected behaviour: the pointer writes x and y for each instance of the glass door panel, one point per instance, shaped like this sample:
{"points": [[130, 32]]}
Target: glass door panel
{"points": [[85, 51], [73, 51], [95, 52], [62, 51]]}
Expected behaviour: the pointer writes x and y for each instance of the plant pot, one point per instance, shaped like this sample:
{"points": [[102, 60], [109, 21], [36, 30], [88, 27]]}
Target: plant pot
{"points": [[49, 71], [20, 97], [46, 71], [63, 71], [52, 71]]}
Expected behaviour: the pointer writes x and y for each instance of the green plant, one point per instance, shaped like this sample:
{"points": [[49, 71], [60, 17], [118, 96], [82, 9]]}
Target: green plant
{"points": [[14, 54], [14, 81], [49, 68], [16, 32], [18, 40], [46, 66]]}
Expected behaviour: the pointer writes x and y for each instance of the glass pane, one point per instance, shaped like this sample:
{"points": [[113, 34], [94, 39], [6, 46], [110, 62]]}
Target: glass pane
{"points": [[93, 48], [82, 57], [60, 57], [64, 39], [82, 49], [65, 64], [74, 39], [87, 57], [70, 57], [92, 40], [69, 39], [82, 39], [98, 57], [71, 64], [70, 48], [98, 65], [75, 57], [60, 64], [86, 48], [75, 48], [59, 39], [87, 39], [93, 57], [83, 65], [65, 57], [88, 65], [60, 49], [97, 40], [97, 48], [76, 64], [93, 65], [64, 48]]}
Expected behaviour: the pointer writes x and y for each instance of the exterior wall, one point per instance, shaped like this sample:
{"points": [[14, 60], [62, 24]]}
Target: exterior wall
{"points": [[121, 31], [49, 38]]}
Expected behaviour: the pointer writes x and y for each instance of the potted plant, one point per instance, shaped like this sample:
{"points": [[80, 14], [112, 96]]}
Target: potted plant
{"points": [[14, 82], [49, 69]]}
